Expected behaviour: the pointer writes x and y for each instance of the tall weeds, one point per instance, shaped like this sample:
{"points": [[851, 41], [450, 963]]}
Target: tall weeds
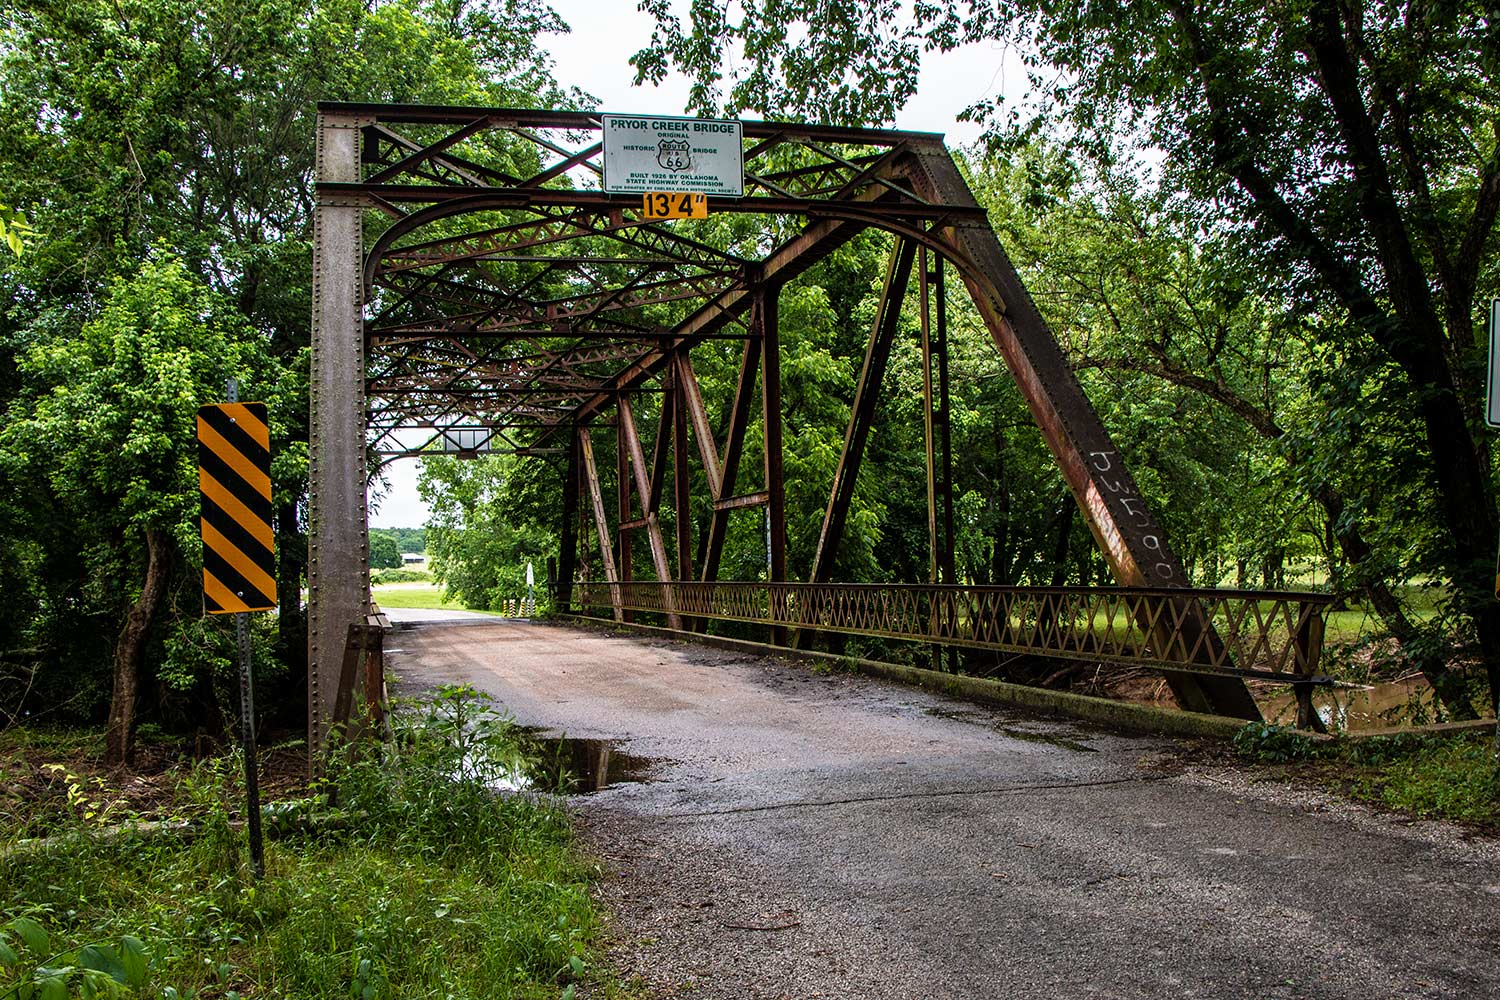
{"points": [[422, 882]]}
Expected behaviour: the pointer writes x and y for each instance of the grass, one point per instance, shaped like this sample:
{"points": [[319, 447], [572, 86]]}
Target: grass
{"points": [[1362, 623], [418, 595], [1454, 778], [423, 884]]}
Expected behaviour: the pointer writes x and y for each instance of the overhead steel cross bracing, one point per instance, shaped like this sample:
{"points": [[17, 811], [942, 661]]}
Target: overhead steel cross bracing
{"points": [[474, 289]]}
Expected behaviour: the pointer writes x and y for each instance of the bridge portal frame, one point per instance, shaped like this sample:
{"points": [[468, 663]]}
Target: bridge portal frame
{"points": [[403, 334]]}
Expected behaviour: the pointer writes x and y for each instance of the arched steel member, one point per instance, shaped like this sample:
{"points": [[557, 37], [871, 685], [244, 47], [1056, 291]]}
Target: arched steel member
{"points": [[900, 182]]}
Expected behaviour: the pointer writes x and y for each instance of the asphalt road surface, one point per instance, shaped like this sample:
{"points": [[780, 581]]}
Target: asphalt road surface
{"points": [[825, 835]]}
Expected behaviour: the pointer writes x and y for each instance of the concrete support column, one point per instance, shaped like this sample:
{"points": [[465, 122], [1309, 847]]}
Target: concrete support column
{"points": [[338, 582]]}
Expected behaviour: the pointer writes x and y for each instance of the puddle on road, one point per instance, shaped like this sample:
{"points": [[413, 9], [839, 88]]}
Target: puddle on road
{"points": [[1028, 735], [570, 765]]}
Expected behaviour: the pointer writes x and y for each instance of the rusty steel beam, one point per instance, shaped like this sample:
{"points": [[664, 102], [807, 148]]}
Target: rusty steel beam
{"points": [[734, 441], [1117, 514], [766, 305], [583, 121], [567, 544], [543, 229], [659, 450], [703, 430], [636, 460], [601, 523], [862, 411], [935, 414], [929, 419], [528, 198], [681, 483], [945, 426], [744, 500], [623, 540], [929, 446]]}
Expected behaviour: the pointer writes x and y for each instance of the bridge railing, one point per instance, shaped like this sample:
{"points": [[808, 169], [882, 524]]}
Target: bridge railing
{"points": [[1246, 633]]}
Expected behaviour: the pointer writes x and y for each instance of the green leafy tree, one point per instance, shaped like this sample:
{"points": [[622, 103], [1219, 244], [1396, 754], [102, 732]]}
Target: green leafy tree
{"points": [[128, 124], [114, 441], [13, 228], [490, 517], [384, 552], [409, 539]]}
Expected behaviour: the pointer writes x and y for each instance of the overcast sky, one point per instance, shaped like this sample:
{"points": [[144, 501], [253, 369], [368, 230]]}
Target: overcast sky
{"points": [[595, 58]]}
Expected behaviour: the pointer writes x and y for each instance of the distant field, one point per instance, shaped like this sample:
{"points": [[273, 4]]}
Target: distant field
{"points": [[417, 595]]}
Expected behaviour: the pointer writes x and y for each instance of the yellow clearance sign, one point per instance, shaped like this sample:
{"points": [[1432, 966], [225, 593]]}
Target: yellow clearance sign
{"points": [[234, 476], [672, 205]]}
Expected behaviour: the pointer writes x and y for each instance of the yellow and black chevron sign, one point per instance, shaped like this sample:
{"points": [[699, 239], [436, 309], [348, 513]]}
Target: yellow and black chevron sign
{"points": [[234, 475]]}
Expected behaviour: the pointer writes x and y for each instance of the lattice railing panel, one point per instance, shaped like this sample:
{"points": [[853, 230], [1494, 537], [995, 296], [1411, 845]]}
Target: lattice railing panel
{"points": [[1239, 632]]}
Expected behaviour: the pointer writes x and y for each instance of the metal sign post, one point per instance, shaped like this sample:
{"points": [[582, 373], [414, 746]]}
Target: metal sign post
{"points": [[1492, 418], [1492, 409], [1492, 389], [234, 477]]}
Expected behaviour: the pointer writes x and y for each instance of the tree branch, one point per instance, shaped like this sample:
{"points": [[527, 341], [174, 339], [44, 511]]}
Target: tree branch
{"points": [[1167, 370], [1229, 154], [1482, 222], [1406, 279], [1412, 162]]}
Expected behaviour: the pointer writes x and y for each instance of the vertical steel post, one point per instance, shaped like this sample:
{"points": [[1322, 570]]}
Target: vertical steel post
{"points": [[946, 563], [924, 322], [623, 540], [924, 315], [862, 412], [681, 484], [567, 561], [601, 522], [338, 584], [767, 300]]}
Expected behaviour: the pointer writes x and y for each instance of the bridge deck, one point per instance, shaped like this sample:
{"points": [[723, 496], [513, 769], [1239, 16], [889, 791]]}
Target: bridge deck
{"points": [[832, 835]]}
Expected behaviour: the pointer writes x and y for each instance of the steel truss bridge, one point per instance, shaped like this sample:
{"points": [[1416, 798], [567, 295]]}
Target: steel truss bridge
{"points": [[473, 287]]}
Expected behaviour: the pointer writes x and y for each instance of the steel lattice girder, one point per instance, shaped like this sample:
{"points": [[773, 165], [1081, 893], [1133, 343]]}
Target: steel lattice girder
{"points": [[1255, 633], [500, 294]]}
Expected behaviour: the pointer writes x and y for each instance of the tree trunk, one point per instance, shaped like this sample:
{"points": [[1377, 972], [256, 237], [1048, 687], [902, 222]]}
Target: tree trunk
{"points": [[290, 695], [1408, 329], [130, 647], [1066, 512], [1387, 607], [1000, 560]]}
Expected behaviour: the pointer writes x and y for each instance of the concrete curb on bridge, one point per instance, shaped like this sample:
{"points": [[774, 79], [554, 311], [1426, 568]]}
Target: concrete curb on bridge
{"points": [[982, 690]]}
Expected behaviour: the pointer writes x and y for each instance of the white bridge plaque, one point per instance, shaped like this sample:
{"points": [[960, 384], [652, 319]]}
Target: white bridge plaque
{"points": [[656, 153]]}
